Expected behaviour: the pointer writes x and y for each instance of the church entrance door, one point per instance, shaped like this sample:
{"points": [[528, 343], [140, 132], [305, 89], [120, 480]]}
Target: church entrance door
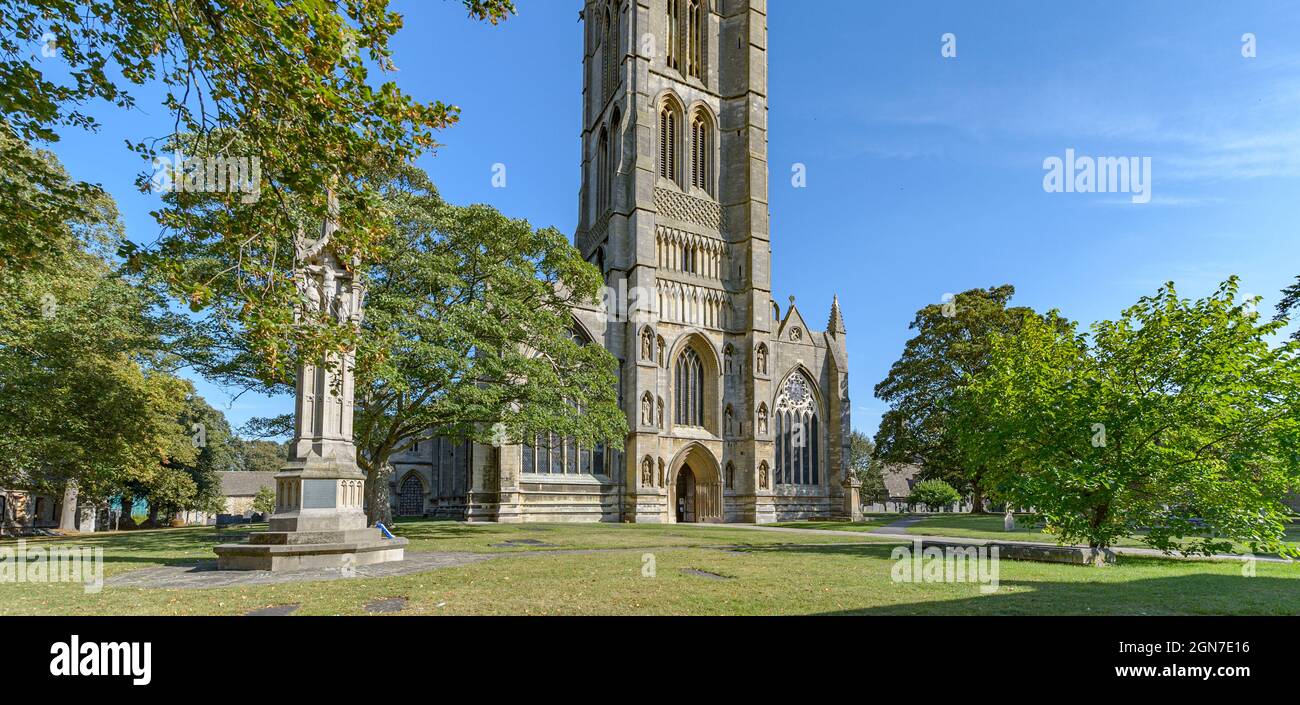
{"points": [[685, 495]]}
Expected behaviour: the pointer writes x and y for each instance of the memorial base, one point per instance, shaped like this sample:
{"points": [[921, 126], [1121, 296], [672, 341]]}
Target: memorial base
{"points": [[309, 550], [318, 523]]}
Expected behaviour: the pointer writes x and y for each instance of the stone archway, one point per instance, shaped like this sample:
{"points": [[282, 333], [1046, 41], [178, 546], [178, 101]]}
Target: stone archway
{"points": [[696, 465]]}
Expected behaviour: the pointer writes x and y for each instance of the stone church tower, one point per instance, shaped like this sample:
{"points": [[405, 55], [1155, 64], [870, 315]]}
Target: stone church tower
{"points": [[735, 411]]}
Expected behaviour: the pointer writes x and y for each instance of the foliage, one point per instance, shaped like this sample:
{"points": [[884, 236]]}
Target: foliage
{"points": [[259, 455], [1177, 421], [84, 394], [287, 83], [949, 350], [264, 501], [216, 451], [934, 494], [868, 469], [468, 333], [1290, 301]]}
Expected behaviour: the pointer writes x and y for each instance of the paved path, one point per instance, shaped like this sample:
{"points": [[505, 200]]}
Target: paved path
{"points": [[204, 574], [898, 530], [897, 527]]}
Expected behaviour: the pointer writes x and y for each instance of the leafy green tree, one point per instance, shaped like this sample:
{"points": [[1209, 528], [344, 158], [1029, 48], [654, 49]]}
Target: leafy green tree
{"points": [[934, 494], [260, 455], [290, 79], [85, 396], [950, 349], [1290, 301], [468, 333], [264, 501], [216, 451], [869, 471], [1178, 423]]}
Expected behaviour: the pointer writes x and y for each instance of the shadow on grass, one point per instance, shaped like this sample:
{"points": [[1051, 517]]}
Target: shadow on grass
{"points": [[187, 546], [1096, 590], [1193, 594]]}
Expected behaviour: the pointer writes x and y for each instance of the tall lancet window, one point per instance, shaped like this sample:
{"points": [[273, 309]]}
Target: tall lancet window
{"points": [[610, 52], [668, 119], [674, 34], [700, 151], [695, 25], [602, 173], [798, 443], [688, 385], [612, 159], [605, 52]]}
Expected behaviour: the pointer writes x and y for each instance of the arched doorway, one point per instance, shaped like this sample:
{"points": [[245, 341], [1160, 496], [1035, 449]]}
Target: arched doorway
{"points": [[410, 497], [685, 507], [695, 485]]}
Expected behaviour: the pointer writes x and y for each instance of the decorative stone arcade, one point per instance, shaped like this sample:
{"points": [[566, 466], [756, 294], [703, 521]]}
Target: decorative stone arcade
{"points": [[319, 519]]}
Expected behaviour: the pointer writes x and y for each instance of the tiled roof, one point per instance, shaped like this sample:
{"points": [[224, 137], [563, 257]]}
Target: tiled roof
{"points": [[245, 484]]}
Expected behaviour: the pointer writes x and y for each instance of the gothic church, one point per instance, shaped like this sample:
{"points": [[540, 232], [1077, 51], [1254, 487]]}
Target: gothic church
{"points": [[737, 410]]}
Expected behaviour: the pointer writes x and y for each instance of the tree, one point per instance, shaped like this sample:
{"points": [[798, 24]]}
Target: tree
{"points": [[949, 350], [216, 451], [260, 455], [85, 394], [934, 494], [868, 470], [468, 334], [1179, 423], [264, 501], [290, 79], [1290, 301]]}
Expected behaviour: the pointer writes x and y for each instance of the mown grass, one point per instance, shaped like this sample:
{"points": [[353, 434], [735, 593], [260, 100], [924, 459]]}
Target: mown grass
{"points": [[990, 527], [760, 573]]}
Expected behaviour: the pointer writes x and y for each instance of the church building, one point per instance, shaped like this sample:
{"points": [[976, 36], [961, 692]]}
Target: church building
{"points": [[737, 409]]}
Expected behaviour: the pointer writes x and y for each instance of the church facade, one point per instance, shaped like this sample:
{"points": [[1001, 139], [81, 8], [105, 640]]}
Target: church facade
{"points": [[737, 409]]}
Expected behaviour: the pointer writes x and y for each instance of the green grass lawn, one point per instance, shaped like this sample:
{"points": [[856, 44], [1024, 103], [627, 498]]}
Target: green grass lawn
{"points": [[989, 526], [760, 573]]}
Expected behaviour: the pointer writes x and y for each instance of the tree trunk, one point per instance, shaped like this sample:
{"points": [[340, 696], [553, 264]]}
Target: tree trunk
{"points": [[124, 519], [68, 517], [378, 507], [977, 492]]}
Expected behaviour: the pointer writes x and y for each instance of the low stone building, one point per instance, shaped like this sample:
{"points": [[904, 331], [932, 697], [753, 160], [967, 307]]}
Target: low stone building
{"points": [[22, 512], [239, 489]]}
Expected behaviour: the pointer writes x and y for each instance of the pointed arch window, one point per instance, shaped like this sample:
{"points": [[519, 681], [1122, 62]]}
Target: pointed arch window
{"points": [[798, 432], [695, 26], [701, 146], [673, 35], [668, 128], [688, 385], [610, 52], [602, 173], [410, 496]]}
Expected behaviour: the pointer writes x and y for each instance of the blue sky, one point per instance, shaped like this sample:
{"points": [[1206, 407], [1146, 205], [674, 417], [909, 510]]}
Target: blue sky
{"points": [[924, 173]]}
